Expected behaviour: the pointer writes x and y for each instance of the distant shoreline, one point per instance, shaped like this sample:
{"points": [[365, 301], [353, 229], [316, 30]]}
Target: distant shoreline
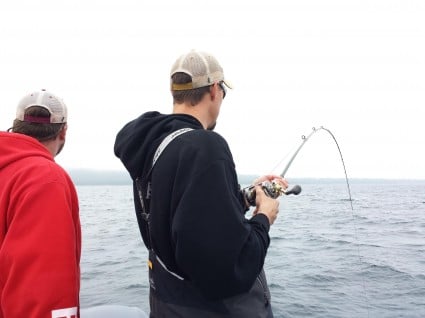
{"points": [[114, 177]]}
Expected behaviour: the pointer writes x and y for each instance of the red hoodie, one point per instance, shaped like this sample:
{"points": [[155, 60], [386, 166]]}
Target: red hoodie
{"points": [[40, 233]]}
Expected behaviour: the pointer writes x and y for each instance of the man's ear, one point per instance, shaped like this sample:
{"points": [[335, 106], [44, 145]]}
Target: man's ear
{"points": [[213, 91], [62, 133]]}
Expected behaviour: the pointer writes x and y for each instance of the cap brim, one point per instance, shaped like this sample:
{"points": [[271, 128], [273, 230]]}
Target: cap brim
{"points": [[227, 83]]}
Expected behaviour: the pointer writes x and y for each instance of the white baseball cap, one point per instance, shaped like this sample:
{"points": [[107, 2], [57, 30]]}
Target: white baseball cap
{"points": [[202, 67], [56, 107]]}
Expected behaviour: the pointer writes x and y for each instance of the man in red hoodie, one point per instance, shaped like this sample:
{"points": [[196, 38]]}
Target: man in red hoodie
{"points": [[40, 232]]}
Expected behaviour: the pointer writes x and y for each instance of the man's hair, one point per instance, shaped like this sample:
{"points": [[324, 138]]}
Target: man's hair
{"points": [[39, 131], [190, 96]]}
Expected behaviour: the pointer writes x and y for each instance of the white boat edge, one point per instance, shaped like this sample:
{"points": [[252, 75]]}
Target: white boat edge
{"points": [[112, 311]]}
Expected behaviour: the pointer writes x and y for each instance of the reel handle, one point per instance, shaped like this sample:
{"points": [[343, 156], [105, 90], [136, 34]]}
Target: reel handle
{"points": [[296, 189]]}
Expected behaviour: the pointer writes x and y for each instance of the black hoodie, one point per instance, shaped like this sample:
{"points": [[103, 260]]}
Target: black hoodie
{"points": [[198, 224]]}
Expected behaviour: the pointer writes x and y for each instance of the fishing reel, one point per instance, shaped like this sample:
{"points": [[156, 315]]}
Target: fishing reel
{"points": [[271, 188]]}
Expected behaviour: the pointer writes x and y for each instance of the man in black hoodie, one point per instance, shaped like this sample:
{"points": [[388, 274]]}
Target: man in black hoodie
{"points": [[205, 257]]}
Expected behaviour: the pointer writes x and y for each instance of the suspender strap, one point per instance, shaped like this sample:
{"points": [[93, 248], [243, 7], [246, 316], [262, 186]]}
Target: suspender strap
{"points": [[166, 141], [144, 191]]}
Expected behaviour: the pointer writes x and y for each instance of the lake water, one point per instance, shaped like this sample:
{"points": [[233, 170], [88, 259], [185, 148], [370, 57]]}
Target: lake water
{"points": [[325, 259]]}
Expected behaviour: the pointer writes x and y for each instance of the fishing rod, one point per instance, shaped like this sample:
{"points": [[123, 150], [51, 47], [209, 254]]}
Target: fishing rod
{"points": [[304, 140], [274, 189]]}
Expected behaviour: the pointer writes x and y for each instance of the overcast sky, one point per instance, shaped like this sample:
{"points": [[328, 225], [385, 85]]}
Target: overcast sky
{"points": [[356, 67]]}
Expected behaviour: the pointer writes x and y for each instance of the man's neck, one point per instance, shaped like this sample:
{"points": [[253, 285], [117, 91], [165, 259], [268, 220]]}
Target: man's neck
{"points": [[195, 111], [51, 146]]}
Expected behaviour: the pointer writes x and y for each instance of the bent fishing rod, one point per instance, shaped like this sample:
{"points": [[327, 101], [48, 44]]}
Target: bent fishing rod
{"points": [[274, 189]]}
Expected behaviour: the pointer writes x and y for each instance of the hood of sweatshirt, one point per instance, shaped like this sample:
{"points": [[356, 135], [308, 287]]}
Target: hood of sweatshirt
{"points": [[14, 147], [138, 140]]}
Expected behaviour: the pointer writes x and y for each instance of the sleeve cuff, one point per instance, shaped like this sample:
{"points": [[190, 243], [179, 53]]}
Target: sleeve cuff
{"points": [[262, 219]]}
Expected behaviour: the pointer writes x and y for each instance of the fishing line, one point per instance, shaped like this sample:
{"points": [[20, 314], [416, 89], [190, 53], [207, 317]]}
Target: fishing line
{"points": [[280, 163], [304, 140]]}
